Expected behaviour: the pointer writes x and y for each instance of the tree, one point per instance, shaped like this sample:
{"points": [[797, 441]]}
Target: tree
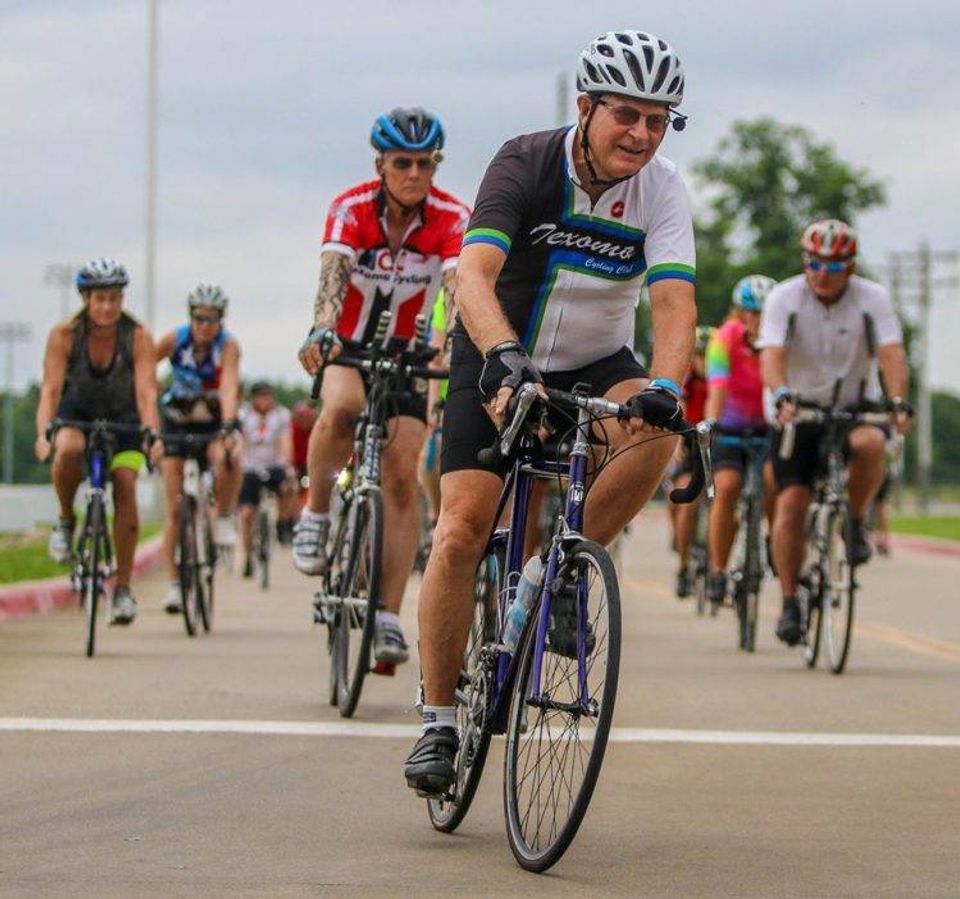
{"points": [[764, 184]]}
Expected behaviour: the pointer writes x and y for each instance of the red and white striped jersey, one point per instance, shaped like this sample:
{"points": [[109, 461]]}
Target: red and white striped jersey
{"points": [[407, 284]]}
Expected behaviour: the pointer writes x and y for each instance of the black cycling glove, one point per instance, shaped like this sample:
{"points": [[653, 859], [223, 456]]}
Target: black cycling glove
{"points": [[657, 407], [506, 365], [327, 338]]}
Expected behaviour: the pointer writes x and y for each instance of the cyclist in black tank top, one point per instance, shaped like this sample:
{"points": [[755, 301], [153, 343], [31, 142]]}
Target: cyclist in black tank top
{"points": [[99, 364]]}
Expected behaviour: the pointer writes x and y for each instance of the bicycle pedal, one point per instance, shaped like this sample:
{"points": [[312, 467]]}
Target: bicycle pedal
{"points": [[387, 669]]}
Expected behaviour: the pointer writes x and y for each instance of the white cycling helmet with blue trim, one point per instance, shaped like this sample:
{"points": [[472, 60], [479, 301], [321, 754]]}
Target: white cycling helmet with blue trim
{"points": [[407, 128], [633, 64], [102, 272], [750, 292], [211, 295]]}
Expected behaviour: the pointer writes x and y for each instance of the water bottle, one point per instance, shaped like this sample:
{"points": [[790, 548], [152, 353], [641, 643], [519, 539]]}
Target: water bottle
{"points": [[520, 607]]}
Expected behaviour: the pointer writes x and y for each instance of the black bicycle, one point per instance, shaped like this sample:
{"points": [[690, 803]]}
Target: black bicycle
{"points": [[827, 583], [351, 585], [750, 549], [553, 692], [93, 555], [196, 551]]}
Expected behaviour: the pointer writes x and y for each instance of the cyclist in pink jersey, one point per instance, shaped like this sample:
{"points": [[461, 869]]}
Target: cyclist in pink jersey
{"points": [[735, 405]]}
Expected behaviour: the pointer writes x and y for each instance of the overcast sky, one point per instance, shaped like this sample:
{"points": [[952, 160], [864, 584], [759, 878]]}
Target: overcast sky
{"points": [[265, 111]]}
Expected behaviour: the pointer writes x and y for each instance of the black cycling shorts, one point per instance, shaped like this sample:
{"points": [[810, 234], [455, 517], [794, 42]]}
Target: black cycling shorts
{"points": [[121, 443], [255, 481], [182, 450], [467, 428], [726, 454], [408, 401]]}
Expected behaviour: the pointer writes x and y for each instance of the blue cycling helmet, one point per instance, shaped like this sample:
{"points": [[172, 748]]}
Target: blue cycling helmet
{"points": [[750, 292], [101, 272], [407, 128]]}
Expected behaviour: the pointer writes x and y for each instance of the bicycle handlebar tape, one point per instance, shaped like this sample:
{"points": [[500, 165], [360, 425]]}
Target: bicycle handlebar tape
{"points": [[693, 489]]}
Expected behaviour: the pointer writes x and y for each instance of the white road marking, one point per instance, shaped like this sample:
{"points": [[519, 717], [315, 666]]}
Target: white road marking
{"points": [[397, 731]]}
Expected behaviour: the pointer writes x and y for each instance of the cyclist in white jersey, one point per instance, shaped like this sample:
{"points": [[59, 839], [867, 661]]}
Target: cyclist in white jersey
{"points": [[567, 227], [824, 326], [267, 460]]}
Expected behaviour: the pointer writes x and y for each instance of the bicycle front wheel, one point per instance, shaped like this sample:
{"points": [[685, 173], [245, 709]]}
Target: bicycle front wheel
{"points": [[206, 570], [95, 577], [838, 589], [473, 696], [748, 606], [187, 565], [263, 547], [360, 595], [558, 729]]}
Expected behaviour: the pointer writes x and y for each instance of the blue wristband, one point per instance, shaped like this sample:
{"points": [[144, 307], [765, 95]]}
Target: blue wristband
{"points": [[782, 393], [672, 387]]}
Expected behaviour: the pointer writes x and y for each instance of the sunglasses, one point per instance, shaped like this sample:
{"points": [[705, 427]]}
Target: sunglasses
{"points": [[831, 268], [405, 163], [206, 319], [627, 117]]}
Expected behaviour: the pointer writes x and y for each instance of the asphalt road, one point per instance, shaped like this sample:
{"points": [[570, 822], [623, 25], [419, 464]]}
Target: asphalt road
{"points": [[182, 781]]}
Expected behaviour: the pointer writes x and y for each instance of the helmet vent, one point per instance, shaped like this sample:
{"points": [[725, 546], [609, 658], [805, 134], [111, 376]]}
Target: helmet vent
{"points": [[624, 39], [635, 69], [662, 72], [615, 74], [648, 56], [605, 50]]}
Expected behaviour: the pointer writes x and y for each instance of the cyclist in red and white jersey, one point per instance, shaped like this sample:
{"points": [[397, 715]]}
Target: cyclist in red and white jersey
{"points": [[389, 243]]}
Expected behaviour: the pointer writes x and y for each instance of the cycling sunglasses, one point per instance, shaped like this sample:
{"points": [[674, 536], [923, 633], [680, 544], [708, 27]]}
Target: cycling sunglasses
{"points": [[627, 117], [831, 268], [404, 163], [206, 319]]}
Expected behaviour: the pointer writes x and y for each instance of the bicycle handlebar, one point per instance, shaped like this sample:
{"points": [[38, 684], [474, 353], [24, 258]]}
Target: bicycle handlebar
{"points": [[809, 411], [528, 396]]}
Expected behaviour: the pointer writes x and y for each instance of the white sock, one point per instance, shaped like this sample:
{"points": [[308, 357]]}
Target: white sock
{"points": [[437, 716], [307, 515], [385, 617]]}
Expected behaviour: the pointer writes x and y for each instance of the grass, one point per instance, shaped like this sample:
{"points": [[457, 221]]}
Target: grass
{"points": [[23, 557], [947, 527]]}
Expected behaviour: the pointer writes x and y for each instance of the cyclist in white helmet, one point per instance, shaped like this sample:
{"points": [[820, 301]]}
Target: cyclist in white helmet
{"points": [[98, 364], [568, 226], [202, 398]]}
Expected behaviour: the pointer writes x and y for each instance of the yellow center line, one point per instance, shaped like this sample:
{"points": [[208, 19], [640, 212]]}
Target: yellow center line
{"points": [[921, 644]]}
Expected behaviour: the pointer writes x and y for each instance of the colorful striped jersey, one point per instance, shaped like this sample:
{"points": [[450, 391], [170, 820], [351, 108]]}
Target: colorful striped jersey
{"points": [[733, 364]]}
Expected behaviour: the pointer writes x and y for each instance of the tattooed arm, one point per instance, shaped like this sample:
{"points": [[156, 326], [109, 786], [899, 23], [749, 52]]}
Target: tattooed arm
{"points": [[335, 272], [448, 281]]}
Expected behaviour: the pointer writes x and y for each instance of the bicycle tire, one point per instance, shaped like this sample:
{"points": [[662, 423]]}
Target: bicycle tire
{"points": [[473, 724], [93, 580], [187, 565], [364, 571], [811, 588], [839, 588], [529, 851], [206, 571], [752, 578], [331, 587], [263, 548]]}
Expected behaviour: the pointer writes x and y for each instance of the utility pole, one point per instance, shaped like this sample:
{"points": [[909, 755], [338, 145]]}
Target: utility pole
{"points": [[563, 94], [11, 333], [914, 270], [149, 268], [61, 274]]}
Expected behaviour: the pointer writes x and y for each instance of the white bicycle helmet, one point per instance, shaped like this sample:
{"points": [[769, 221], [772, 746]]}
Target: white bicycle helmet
{"points": [[633, 64], [208, 295], [101, 272]]}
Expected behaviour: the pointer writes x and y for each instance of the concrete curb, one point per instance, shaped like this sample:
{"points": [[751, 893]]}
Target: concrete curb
{"points": [[40, 597], [933, 546]]}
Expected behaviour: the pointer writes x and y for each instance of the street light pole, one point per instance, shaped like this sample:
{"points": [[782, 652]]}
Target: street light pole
{"points": [[153, 42], [61, 274], [11, 333]]}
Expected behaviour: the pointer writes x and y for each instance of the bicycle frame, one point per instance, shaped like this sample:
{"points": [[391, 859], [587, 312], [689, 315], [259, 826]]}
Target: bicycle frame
{"points": [[519, 482]]}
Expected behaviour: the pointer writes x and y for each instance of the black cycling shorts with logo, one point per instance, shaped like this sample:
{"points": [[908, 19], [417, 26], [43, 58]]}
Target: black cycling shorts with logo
{"points": [[467, 428], [255, 481], [408, 402]]}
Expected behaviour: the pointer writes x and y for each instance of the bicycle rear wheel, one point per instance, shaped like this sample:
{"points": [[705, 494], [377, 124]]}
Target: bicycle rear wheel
{"points": [[187, 565], [263, 547], [550, 766], [838, 588], [360, 595], [94, 582], [473, 697]]}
